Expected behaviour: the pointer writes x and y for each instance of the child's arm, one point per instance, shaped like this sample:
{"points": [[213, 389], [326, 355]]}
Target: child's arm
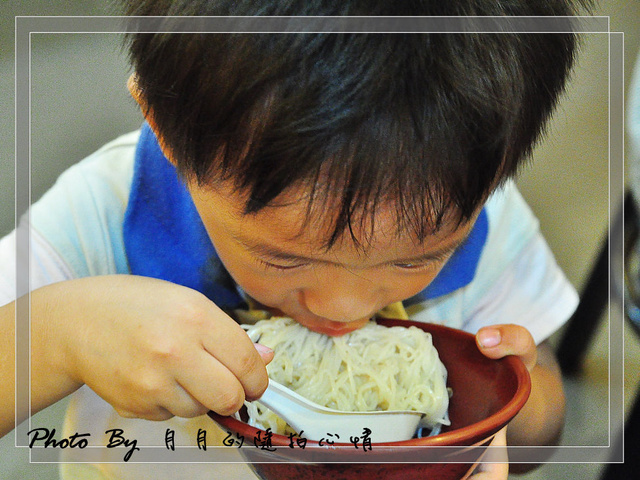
{"points": [[7, 369], [150, 348], [48, 388], [541, 420]]}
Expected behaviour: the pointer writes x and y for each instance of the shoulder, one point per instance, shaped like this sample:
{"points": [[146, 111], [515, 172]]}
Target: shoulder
{"points": [[109, 168], [81, 216], [512, 225]]}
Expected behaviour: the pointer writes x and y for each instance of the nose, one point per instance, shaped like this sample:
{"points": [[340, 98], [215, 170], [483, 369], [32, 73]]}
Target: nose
{"points": [[343, 299]]}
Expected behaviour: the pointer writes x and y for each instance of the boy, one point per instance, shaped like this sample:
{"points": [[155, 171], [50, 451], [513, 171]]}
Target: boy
{"points": [[324, 177]]}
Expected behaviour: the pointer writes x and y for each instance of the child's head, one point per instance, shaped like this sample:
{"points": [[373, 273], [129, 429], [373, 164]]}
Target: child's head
{"points": [[430, 122], [418, 128]]}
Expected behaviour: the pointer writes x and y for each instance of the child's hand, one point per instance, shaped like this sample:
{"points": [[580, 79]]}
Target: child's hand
{"points": [[498, 341], [541, 419], [495, 466], [153, 349]]}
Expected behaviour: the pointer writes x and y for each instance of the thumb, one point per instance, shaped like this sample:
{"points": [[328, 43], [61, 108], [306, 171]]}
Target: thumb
{"points": [[498, 341], [265, 352]]}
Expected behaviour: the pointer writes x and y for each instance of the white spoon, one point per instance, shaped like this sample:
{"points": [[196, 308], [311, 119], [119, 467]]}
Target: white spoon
{"points": [[315, 422]]}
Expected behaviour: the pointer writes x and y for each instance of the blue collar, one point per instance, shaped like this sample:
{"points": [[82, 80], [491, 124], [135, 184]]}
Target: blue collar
{"points": [[164, 237], [459, 271]]}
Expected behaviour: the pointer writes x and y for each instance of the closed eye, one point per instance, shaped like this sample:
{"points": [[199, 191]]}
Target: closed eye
{"points": [[269, 265], [414, 266], [420, 264]]}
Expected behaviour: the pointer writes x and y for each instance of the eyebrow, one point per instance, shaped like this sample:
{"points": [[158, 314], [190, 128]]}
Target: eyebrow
{"points": [[275, 253]]}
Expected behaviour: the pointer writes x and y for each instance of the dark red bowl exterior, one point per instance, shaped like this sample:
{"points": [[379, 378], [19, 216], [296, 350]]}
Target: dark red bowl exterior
{"points": [[487, 394]]}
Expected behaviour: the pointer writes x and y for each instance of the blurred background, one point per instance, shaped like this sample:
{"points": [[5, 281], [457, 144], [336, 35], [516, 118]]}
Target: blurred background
{"points": [[80, 101]]}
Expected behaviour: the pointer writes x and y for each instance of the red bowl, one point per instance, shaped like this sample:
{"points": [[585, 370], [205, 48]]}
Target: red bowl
{"points": [[487, 394]]}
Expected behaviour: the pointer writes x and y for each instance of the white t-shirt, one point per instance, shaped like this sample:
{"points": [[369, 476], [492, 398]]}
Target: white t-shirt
{"points": [[76, 231]]}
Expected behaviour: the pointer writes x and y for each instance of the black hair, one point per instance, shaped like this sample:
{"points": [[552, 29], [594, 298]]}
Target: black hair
{"points": [[428, 122]]}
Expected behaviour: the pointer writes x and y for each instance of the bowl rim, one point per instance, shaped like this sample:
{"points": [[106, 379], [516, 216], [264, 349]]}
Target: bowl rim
{"points": [[465, 436]]}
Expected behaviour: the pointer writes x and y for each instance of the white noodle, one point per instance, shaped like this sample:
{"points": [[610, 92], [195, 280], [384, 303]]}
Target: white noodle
{"points": [[372, 368]]}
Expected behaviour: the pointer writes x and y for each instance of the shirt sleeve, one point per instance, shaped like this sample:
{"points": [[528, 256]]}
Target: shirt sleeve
{"points": [[46, 266], [75, 229], [532, 292]]}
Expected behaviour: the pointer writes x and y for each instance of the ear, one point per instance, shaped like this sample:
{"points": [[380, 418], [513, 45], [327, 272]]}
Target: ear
{"points": [[147, 112]]}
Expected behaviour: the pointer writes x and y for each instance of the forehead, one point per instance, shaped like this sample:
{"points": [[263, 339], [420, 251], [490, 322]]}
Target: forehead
{"points": [[295, 225]]}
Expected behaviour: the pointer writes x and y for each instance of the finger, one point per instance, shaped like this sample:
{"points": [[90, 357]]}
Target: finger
{"points": [[213, 385], [232, 347], [182, 404], [265, 352], [155, 414], [494, 471], [498, 341], [158, 399], [494, 464]]}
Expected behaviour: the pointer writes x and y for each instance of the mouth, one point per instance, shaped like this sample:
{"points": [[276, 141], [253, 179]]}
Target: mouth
{"points": [[331, 328], [320, 324]]}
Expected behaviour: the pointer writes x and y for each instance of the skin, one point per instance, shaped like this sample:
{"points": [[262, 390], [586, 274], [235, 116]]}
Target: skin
{"points": [[166, 350], [332, 292]]}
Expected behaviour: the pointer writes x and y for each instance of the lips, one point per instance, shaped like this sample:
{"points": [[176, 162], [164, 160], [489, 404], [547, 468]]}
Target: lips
{"points": [[319, 324], [331, 328]]}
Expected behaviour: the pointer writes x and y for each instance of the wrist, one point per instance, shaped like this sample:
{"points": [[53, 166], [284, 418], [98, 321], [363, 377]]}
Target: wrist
{"points": [[53, 330]]}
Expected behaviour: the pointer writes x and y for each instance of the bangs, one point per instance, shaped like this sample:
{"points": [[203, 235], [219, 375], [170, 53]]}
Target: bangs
{"points": [[428, 124], [387, 159]]}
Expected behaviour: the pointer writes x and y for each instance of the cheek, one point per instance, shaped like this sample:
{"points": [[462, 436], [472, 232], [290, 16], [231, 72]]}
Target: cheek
{"points": [[406, 286], [264, 288]]}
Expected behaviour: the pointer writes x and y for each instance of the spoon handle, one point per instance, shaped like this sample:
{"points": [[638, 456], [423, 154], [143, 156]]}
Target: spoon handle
{"points": [[291, 407], [315, 422]]}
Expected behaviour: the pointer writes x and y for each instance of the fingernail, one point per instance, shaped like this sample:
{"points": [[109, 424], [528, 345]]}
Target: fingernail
{"points": [[489, 337], [263, 350]]}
